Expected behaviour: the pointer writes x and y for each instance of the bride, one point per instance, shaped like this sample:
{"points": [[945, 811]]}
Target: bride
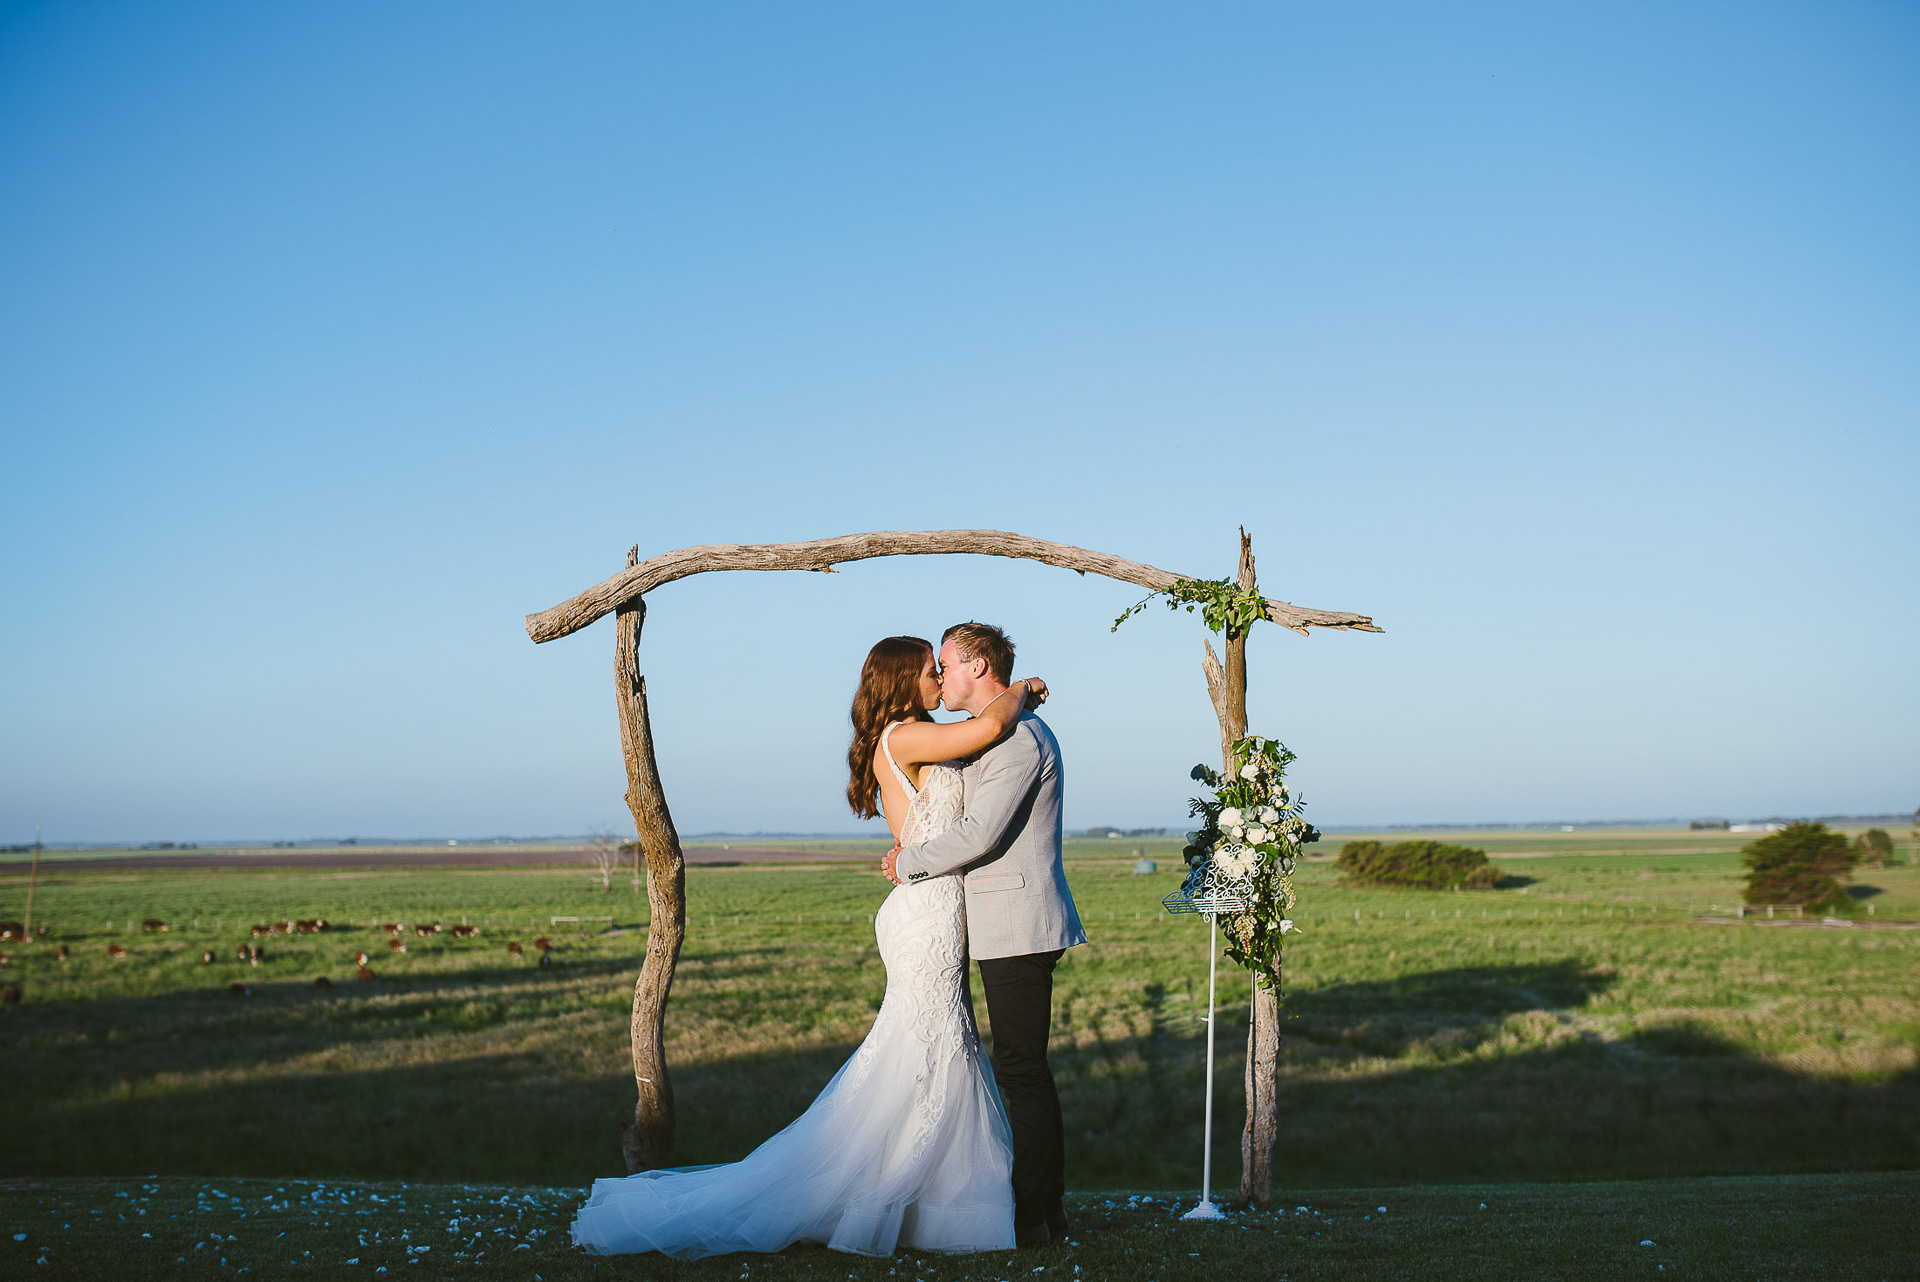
{"points": [[908, 1144]]}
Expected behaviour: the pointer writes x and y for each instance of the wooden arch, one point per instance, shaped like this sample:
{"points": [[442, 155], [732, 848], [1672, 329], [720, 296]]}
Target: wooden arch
{"points": [[648, 1142]]}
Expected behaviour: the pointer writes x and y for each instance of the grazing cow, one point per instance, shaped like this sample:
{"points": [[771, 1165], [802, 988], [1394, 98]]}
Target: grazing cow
{"points": [[116, 952], [12, 930], [513, 947], [323, 982], [3, 959], [239, 989], [240, 951], [260, 932], [363, 975], [207, 956], [465, 932], [303, 927], [543, 943], [152, 924], [360, 958], [391, 927], [283, 928], [61, 952], [10, 996], [396, 946], [255, 956], [424, 931]]}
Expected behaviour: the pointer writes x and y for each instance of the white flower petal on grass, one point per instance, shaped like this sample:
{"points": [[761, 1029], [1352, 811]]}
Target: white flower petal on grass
{"points": [[1647, 1242]]}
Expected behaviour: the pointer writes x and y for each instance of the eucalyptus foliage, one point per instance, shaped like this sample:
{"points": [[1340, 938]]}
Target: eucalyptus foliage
{"points": [[1224, 605], [1246, 849]]}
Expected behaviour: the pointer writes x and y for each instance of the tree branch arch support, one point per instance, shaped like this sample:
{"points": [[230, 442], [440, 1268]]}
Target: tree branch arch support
{"points": [[648, 1142], [823, 554]]}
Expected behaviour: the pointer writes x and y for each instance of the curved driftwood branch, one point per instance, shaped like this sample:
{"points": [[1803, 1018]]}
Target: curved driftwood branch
{"points": [[823, 554]]}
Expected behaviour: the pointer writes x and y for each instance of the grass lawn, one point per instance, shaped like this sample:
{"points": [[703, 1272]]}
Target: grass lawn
{"points": [[1583, 1025], [1796, 1226]]}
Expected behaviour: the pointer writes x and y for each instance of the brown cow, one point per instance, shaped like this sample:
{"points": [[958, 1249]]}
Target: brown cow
{"points": [[424, 931], [513, 947], [116, 952], [360, 958], [391, 927], [240, 951], [260, 932], [207, 956], [363, 974], [323, 982], [465, 932], [543, 943], [12, 930], [239, 989], [255, 956], [395, 946], [153, 924], [283, 928], [61, 952]]}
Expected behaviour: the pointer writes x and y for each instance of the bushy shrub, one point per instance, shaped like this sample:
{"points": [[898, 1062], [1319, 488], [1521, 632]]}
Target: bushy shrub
{"points": [[1428, 865], [1803, 863], [1875, 847]]}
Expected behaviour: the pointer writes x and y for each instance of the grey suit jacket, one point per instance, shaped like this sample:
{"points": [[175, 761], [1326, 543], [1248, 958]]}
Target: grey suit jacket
{"points": [[1008, 841]]}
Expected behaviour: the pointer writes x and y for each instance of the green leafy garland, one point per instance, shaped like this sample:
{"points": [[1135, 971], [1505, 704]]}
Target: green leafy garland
{"points": [[1247, 848], [1224, 605]]}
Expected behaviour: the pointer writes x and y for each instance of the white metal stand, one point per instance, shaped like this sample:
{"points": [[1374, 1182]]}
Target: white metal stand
{"points": [[1210, 905], [1207, 1210]]}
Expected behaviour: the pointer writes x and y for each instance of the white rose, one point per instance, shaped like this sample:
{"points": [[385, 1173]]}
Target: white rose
{"points": [[1285, 925], [1250, 771], [1256, 835], [1231, 817], [1268, 815]]}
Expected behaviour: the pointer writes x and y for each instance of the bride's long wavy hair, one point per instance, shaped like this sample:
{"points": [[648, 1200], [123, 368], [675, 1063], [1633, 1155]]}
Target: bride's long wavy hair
{"points": [[889, 692]]}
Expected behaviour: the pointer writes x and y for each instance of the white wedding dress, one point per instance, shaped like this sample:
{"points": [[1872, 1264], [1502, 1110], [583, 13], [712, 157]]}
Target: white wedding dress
{"points": [[908, 1145]]}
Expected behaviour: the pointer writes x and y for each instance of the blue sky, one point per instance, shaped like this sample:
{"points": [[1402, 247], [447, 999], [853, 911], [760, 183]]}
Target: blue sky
{"points": [[1576, 344]]}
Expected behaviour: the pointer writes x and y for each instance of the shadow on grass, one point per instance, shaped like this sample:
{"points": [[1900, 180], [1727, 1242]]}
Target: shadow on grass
{"points": [[1470, 1073]]}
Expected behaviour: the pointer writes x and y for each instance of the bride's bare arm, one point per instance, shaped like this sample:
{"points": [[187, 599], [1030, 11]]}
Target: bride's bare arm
{"points": [[922, 741]]}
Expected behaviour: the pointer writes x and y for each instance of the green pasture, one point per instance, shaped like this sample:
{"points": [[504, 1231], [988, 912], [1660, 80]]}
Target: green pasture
{"points": [[1585, 1024]]}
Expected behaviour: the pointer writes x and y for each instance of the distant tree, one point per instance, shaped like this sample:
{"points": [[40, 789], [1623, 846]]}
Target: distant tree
{"points": [[1803, 863], [603, 852], [1875, 848], [1427, 865]]}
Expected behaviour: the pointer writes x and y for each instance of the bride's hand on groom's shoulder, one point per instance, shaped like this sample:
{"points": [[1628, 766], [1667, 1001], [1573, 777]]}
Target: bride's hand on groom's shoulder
{"points": [[1036, 692]]}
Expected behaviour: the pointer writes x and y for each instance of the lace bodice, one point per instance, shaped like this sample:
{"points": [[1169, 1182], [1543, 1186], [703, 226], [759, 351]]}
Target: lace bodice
{"points": [[935, 805]]}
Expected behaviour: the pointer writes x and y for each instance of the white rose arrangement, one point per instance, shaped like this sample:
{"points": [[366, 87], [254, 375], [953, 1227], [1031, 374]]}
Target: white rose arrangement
{"points": [[1246, 851]]}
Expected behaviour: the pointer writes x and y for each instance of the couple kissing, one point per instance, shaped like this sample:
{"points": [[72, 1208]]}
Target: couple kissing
{"points": [[917, 1141]]}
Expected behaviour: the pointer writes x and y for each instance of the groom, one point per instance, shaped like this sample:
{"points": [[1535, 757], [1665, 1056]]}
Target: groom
{"points": [[1020, 914]]}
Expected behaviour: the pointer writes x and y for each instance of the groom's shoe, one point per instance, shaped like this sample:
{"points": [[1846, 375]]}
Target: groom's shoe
{"points": [[1057, 1222], [1034, 1234]]}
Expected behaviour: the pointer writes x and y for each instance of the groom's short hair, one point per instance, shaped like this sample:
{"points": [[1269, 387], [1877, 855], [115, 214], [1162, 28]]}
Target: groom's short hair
{"points": [[983, 641]]}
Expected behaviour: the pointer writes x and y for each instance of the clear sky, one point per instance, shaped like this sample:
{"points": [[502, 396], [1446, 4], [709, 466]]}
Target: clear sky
{"points": [[1575, 343]]}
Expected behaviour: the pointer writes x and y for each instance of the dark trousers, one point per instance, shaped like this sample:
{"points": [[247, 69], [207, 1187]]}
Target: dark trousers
{"points": [[1019, 994]]}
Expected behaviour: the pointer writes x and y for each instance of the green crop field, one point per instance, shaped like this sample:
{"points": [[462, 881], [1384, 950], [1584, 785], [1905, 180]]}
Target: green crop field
{"points": [[1594, 1022]]}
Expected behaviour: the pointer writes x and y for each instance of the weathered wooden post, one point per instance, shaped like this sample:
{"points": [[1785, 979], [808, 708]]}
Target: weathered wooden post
{"points": [[1228, 687], [648, 1143]]}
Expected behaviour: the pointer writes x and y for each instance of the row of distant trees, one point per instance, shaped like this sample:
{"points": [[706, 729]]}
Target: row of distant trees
{"points": [[1809, 864], [1804, 863]]}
